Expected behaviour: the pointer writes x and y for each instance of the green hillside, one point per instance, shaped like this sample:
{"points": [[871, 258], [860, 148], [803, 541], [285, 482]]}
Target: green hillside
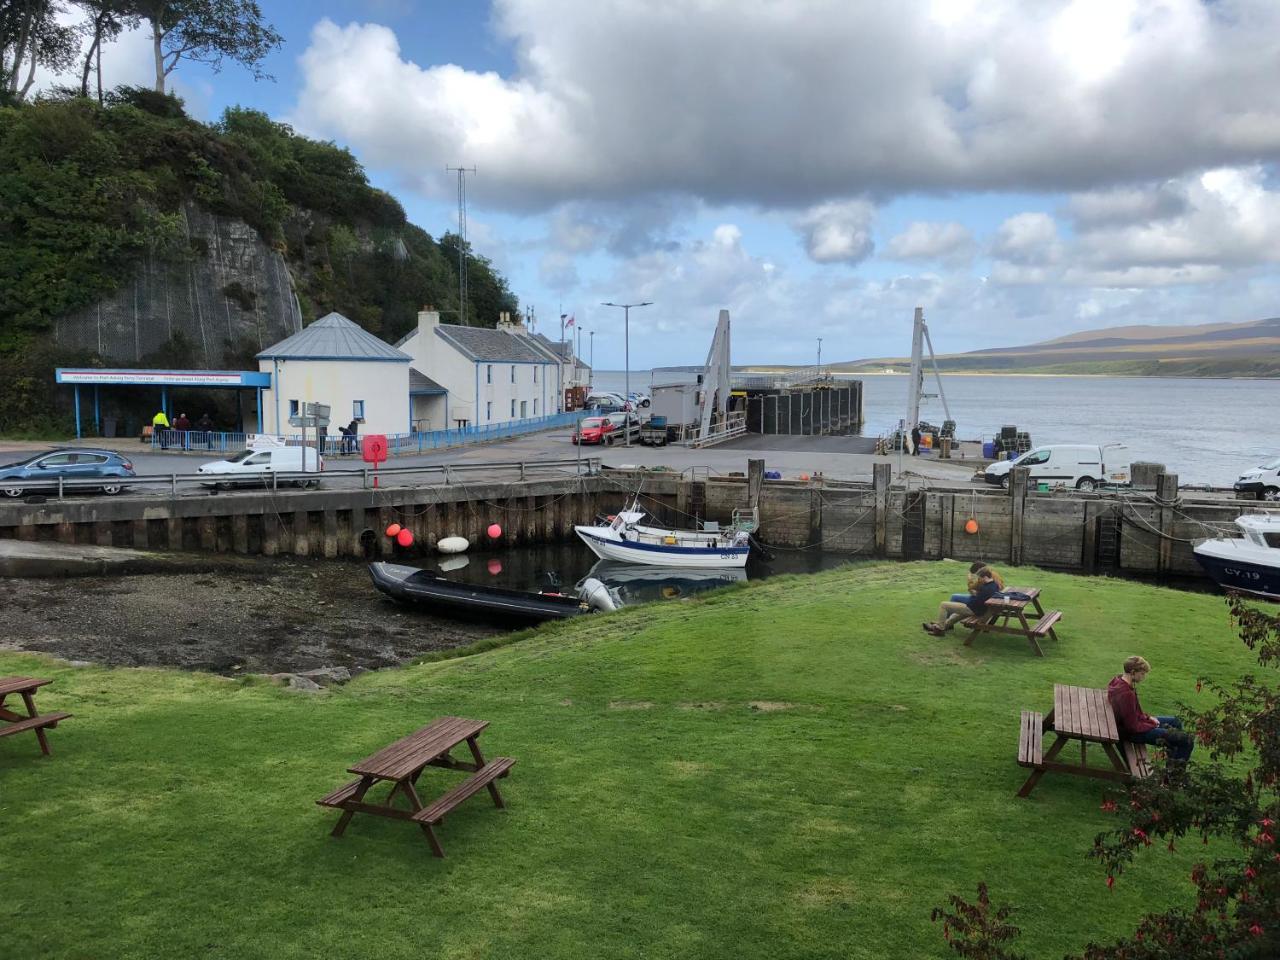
{"points": [[88, 192]]}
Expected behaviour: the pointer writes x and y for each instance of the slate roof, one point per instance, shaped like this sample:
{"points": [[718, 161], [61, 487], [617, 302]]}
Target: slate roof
{"points": [[334, 337], [419, 382], [559, 348], [485, 343]]}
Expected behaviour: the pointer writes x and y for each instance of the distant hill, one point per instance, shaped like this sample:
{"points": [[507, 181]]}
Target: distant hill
{"points": [[1207, 350]]}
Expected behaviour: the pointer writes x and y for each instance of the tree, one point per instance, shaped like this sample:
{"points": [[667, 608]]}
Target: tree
{"points": [[207, 31], [1237, 911], [30, 36], [107, 19]]}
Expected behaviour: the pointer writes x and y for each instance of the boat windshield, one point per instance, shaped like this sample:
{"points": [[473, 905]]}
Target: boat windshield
{"points": [[592, 422], [1273, 465]]}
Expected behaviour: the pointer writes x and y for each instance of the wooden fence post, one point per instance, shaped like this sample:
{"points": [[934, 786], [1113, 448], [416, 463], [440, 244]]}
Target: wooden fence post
{"points": [[1018, 477], [881, 476]]}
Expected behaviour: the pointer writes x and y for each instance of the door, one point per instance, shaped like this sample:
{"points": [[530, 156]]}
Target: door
{"points": [[48, 469], [89, 465], [1037, 463], [260, 462]]}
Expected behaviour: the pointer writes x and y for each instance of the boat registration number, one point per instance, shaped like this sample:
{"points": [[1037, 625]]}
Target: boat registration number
{"points": [[728, 556], [1242, 574]]}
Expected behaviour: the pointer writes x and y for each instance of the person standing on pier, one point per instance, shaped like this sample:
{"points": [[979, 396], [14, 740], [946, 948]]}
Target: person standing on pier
{"points": [[160, 429], [915, 440]]}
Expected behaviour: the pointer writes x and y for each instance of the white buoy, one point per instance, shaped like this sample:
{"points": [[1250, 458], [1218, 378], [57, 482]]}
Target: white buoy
{"points": [[452, 544], [453, 563]]}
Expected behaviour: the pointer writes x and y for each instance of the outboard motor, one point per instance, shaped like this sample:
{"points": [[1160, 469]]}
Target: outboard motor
{"points": [[597, 596]]}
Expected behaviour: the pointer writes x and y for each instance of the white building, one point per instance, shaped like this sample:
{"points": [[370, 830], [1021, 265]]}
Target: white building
{"points": [[339, 363], [573, 372], [479, 375]]}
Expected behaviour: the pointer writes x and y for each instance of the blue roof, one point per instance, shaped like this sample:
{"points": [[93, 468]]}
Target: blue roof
{"points": [[334, 337]]}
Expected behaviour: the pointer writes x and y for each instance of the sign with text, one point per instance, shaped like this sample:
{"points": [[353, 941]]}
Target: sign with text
{"points": [[374, 448], [263, 441], [163, 378]]}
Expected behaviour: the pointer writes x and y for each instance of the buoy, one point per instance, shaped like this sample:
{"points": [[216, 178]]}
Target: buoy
{"points": [[494, 531], [804, 476], [405, 538], [452, 545], [394, 529], [495, 567], [453, 563], [971, 525]]}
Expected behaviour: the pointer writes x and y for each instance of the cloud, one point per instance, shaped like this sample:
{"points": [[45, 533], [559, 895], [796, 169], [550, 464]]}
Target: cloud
{"points": [[838, 232], [1027, 239], [788, 106], [951, 242]]}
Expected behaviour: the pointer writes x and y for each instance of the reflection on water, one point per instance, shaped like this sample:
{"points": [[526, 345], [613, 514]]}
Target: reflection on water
{"points": [[529, 568]]}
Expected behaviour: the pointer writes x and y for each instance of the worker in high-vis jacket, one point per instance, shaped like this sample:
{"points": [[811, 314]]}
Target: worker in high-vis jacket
{"points": [[160, 429]]}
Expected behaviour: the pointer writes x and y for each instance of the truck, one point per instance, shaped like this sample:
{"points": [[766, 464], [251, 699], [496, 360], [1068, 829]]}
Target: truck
{"points": [[1263, 482], [1079, 465], [653, 432]]}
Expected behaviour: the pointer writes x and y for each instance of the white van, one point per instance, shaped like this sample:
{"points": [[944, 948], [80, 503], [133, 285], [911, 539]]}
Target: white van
{"points": [[257, 466], [1263, 482], [1076, 465]]}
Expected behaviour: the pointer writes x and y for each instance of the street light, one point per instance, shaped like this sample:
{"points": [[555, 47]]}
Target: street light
{"points": [[626, 339], [819, 355], [591, 376]]}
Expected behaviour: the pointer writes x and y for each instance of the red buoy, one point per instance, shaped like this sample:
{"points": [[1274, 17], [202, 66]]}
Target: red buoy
{"points": [[405, 538]]}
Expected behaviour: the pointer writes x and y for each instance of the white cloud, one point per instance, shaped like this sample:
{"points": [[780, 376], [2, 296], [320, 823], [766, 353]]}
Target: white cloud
{"points": [[1027, 239], [838, 232], [791, 105], [932, 241]]}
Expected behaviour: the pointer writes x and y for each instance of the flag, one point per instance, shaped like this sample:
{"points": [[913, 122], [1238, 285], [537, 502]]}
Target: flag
{"points": [[569, 322]]}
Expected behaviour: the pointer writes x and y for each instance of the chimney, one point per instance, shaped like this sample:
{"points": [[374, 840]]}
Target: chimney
{"points": [[513, 327], [428, 320]]}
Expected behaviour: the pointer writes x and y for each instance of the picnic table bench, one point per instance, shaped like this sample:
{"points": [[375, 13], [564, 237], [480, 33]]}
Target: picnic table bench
{"points": [[402, 763], [1009, 616], [12, 722], [1082, 714]]}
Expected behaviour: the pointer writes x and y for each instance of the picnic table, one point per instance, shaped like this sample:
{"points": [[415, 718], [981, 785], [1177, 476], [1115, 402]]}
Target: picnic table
{"points": [[1008, 616], [12, 722], [1084, 715], [402, 763]]}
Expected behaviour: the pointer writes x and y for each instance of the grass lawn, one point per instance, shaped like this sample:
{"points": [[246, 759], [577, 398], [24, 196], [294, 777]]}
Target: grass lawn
{"points": [[790, 769]]}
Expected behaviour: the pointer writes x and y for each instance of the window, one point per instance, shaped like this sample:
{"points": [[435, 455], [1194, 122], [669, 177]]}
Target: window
{"points": [[293, 408], [488, 373], [357, 409], [524, 409], [513, 373], [513, 406], [1033, 459], [535, 403], [488, 410], [535, 374]]}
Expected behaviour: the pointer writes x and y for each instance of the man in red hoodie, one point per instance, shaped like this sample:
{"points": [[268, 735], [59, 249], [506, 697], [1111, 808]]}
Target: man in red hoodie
{"points": [[1142, 727]]}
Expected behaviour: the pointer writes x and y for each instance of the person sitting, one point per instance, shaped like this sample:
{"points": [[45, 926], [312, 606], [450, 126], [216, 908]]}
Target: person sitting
{"points": [[951, 612], [971, 583], [1140, 727]]}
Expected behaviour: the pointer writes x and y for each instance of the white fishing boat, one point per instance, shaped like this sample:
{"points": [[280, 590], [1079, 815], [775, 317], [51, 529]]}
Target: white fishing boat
{"points": [[1250, 563], [623, 538]]}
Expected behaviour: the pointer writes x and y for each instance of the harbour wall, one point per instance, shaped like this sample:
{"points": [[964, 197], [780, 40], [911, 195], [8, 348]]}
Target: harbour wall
{"points": [[1145, 532]]}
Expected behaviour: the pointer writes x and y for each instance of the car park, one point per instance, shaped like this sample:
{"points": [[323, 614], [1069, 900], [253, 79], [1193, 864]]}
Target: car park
{"points": [[77, 469], [257, 467]]}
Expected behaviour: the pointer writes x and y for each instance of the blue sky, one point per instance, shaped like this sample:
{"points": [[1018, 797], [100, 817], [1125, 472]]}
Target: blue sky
{"points": [[819, 168]]}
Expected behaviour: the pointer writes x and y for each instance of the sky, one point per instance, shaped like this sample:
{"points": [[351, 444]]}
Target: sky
{"points": [[1021, 170]]}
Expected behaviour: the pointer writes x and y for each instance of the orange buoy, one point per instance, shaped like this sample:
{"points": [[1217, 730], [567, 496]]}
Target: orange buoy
{"points": [[404, 538], [971, 525], [393, 529]]}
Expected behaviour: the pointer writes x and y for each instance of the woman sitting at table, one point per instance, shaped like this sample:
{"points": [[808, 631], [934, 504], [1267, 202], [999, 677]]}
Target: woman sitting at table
{"points": [[1142, 727], [972, 583], [951, 612]]}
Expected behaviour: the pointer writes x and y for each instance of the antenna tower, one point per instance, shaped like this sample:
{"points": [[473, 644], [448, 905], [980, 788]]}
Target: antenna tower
{"points": [[462, 239]]}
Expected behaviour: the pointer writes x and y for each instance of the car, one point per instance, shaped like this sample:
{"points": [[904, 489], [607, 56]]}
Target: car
{"points": [[1083, 466], [1263, 482], [258, 466], [640, 399], [43, 471], [603, 430]]}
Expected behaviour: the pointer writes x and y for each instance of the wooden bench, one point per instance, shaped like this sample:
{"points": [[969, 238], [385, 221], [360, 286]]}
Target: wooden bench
{"points": [[1081, 716], [12, 722], [1031, 740], [1135, 757], [495, 768], [1008, 616]]}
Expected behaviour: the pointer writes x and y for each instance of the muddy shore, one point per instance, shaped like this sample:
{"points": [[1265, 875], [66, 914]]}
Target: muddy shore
{"points": [[273, 616]]}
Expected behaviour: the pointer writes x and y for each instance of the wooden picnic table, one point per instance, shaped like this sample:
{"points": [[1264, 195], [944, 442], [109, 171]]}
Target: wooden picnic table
{"points": [[1008, 616], [1083, 715], [402, 763], [12, 722]]}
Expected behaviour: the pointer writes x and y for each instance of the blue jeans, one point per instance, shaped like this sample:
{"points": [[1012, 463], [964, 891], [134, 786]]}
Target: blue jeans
{"points": [[1176, 741], [960, 597]]}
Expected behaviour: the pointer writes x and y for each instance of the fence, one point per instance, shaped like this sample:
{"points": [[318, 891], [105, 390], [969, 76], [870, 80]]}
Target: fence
{"points": [[398, 444]]}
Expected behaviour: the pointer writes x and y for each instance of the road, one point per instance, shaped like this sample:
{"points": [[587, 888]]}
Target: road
{"points": [[833, 457]]}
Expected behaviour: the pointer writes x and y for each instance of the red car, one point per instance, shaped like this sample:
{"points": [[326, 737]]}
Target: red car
{"points": [[598, 430]]}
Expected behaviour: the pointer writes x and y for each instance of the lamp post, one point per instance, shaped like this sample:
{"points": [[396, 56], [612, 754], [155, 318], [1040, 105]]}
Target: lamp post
{"points": [[626, 341], [819, 356], [591, 376]]}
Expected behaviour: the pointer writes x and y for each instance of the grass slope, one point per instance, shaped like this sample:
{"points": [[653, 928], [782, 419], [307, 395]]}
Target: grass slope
{"points": [[792, 769]]}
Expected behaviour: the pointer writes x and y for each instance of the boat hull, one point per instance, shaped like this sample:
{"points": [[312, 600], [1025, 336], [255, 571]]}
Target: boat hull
{"points": [[1233, 571], [662, 555], [467, 601]]}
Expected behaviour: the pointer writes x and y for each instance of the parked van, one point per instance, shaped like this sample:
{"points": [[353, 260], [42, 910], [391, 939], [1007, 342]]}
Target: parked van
{"points": [[1076, 465], [1263, 482], [257, 466]]}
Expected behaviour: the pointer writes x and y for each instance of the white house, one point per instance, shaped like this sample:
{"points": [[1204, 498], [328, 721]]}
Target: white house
{"points": [[479, 375], [339, 363]]}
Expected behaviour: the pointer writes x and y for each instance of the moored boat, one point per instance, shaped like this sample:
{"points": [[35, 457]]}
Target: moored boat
{"points": [[624, 539], [451, 598], [1251, 563]]}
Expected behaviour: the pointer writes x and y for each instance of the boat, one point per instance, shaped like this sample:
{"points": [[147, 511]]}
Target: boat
{"points": [[623, 538], [433, 593], [1251, 563], [633, 583]]}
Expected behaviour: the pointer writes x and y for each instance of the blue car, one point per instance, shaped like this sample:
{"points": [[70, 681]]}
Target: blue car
{"points": [[42, 471]]}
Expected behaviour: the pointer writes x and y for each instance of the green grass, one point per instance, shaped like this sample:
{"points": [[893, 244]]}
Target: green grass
{"points": [[653, 812]]}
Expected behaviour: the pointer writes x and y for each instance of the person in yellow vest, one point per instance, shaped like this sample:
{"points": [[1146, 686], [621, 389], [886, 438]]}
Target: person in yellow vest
{"points": [[160, 429]]}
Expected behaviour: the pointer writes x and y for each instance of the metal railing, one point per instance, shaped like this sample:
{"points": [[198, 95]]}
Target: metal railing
{"points": [[443, 472]]}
